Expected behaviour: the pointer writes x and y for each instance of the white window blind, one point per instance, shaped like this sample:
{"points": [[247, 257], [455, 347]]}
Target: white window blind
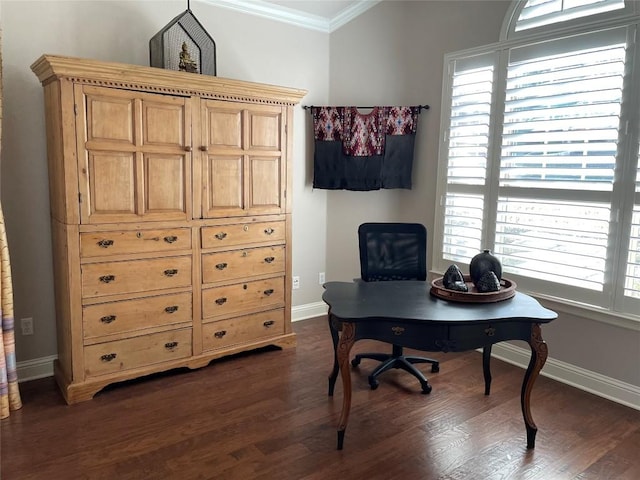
{"points": [[632, 273], [558, 158], [537, 13], [471, 96]]}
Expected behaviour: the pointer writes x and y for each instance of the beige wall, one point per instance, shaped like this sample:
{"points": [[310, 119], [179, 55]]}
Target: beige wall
{"points": [[393, 54], [248, 48]]}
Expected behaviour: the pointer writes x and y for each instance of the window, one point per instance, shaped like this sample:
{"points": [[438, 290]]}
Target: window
{"points": [[536, 13], [539, 162]]}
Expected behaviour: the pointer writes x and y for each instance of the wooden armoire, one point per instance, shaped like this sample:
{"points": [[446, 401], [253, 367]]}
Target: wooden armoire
{"points": [[170, 217]]}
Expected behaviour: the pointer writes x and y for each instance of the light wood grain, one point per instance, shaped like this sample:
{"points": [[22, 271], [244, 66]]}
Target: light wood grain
{"points": [[146, 168]]}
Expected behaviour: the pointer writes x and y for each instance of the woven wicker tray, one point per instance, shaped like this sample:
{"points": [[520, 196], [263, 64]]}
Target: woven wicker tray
{"points": [[507, 290]]}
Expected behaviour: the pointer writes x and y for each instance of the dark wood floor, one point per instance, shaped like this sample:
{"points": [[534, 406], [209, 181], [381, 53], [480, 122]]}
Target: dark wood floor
{"points": [[267, 416]]}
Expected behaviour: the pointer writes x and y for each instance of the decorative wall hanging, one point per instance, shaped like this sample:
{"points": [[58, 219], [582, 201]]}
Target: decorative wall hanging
{"points": [[183, 44], [355, 151]]}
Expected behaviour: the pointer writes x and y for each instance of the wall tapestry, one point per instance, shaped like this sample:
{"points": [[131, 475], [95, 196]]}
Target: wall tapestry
{"points": [[356, 151]]}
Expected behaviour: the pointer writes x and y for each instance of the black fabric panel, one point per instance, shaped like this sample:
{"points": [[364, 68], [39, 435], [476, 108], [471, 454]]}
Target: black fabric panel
{"points": [[328, 165], [398, 161]]}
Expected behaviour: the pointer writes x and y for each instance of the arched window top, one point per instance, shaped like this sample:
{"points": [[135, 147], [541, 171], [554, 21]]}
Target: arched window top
{"points": [[527, 16]]}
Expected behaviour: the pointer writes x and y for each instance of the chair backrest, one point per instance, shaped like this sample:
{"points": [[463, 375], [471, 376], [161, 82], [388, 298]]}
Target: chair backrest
{"points": [[392, 251]]}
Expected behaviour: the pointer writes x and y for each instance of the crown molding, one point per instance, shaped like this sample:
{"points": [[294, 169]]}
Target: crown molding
{"points": [[295, 17]]}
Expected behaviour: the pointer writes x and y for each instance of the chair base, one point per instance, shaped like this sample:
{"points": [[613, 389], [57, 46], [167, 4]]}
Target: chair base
{"points": [[397, 360]]}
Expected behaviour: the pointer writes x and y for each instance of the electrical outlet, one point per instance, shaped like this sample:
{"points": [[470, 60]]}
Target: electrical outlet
{"points": [[26, 324], [296, 283], [321, 278]]}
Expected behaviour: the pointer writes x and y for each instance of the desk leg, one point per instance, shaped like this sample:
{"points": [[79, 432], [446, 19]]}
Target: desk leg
{"points": [[333, 376], [347, 339], [539, 352], [486, 368]]}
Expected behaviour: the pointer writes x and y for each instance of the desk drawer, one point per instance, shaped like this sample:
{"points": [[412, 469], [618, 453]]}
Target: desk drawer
{"points": [[468, 337], [111, 357], [243, 329], [427, 338]]}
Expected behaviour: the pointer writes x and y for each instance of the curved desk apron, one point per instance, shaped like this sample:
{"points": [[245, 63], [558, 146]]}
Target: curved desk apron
{"points": [[404, 313]]}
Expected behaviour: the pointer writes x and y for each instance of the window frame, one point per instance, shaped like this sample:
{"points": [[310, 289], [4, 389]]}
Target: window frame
{"points": [[612, 311]]}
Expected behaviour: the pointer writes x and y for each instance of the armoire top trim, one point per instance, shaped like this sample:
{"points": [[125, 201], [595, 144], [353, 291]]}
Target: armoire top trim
{"points": [[159, 80]]}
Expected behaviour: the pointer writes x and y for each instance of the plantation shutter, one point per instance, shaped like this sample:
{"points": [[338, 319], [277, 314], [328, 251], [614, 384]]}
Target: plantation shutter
{"points": [[468, 142], [632, 274], [559, 148]]}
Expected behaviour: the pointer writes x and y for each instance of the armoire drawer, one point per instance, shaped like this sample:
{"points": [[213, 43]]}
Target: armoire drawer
{"points": [[241, 297], [111, 357], [239, 264], [243, 329], [109, 278], [94, 244], [242, 234], [130, 315]]}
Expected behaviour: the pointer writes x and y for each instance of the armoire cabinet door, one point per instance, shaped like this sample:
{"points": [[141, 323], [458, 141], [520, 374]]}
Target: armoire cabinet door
{"points": [[243, 168], [134, 155]]}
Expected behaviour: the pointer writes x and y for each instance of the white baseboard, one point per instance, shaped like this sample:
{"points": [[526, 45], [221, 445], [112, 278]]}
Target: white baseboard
{"points": [[592, 382], [310, 310], [36, 368]]}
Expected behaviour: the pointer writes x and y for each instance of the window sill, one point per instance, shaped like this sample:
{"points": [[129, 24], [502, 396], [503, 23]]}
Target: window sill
{"points": [[590, 312]]}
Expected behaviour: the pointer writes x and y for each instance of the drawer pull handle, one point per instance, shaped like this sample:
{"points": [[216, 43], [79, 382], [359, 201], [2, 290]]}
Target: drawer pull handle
{"points": [[221, 266], [170, 239], [107, 278], [204, 148], [220, 334], [269, 259], [171, 272], [221, 235], [268, 323], [187, 148], [108, 357], [170, 345], [171, 309], [108, 319], [244, 254], [490, 331], [397, 330], [221, 300], [245, 228], [268, 292], [105, 243], [269, 231]]}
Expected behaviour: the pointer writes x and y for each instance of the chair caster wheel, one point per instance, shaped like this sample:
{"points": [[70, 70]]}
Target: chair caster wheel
{"points": [[435, 367], [373, 383], [426, 389], [355, 362]]}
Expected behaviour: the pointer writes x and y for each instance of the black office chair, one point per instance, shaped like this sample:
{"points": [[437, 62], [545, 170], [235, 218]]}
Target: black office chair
{"points": [[394, 251]]}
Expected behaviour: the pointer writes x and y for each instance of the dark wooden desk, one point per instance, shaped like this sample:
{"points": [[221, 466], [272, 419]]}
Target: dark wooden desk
{"points": [[406, 314]]}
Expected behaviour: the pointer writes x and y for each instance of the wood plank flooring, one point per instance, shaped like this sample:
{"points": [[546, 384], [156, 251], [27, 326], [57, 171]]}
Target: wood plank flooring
{"points": [[267, 415]]}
